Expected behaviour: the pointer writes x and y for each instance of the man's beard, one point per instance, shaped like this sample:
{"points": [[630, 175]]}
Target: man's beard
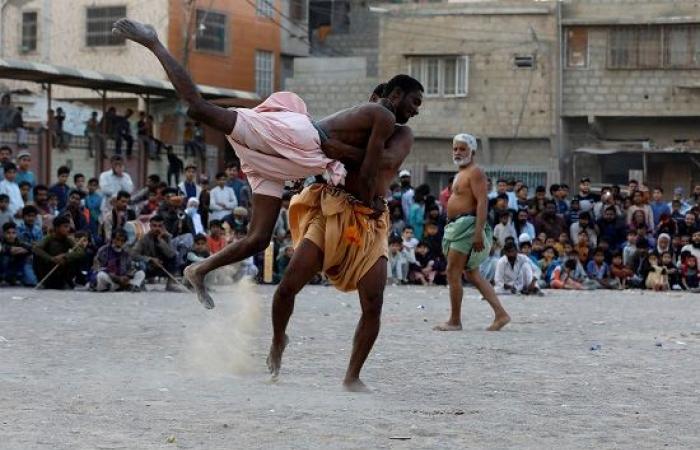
{"points": [[696, 244], [462, 162]]}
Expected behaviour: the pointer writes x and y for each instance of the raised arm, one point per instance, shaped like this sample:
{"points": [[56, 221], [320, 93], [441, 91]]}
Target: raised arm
{"points": [[215, 116], [395, 151], [382, 128]]}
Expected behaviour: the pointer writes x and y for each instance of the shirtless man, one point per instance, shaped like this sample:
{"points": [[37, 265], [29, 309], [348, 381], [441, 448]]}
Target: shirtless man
{"points": [[277, 142], [468, 237], [360, 265]]}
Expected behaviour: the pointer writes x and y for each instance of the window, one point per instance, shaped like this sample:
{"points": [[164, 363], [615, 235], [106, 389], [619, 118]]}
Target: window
{"points": [[264, 72], [297, 10], [211, 31], [29, 32], [441, 75], [99, 26], [264, 8], [654, 47], [577, 47]]}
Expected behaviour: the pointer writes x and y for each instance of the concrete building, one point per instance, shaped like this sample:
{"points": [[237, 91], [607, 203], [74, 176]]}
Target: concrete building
{"points": [[489, 68], [294, 36], [630, 91]]}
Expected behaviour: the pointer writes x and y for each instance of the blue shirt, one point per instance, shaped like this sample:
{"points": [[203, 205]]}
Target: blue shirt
{"points": [[27, 176], [191, 190], [658, 209], [61, 190], [29, 235]]}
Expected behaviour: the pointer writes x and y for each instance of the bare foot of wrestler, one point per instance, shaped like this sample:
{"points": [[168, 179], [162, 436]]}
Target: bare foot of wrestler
{"points": [[355, 385], [136, 31], [274, 358], [499, 322], [448, 326], [196, 279]]}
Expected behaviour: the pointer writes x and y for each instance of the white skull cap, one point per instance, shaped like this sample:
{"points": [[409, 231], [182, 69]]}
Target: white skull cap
{"points": [[466, 139]]}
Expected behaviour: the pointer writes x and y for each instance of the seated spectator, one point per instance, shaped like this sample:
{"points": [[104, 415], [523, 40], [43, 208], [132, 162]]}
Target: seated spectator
{"points": [[503, 229], [563, 276], [640, 265], [612, 228], [677, 211], [398, 261], [199, 251], [487, 269], [663, 244], [113, 267], [537, 249], [657, 278], [658, 206], [238, 219], [118, 215], [76, 212], [433, 240], [579, 274], [522, 225], [573, 212], [694, 246], [585, 223], [25, 190], [666, 225], [619, 271], [629, 249], [195, 218], [689, 225], [189, 187], [283, 259], [409, 241], [434, 215], [525, 248], [155, 251], [561, 243], [689, 274], [674, 274], [245, 268], [583, 248], [58, 250], [607, 200], [216, 239], [11, 189], [514, 273], [13, 256], [29, 232], [643, 233], [549, 223], [397, 222], [5, 214], [79, 184], [599, 271], [423, 270], [497, 206], [549, 257]]}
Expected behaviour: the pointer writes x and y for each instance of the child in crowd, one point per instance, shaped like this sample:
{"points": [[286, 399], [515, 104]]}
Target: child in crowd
{"points": [[674, 275], [563, 276], [283, 259], [537, 249], [59, 250], [422, 271], [409, 241], [561, 242], [620, 271], [689, 274], [599, 271], [629, 249], [503, 229], [216, 239], [657, 278], [399, 259], [113, 267], [199, 251], [13, 256]]}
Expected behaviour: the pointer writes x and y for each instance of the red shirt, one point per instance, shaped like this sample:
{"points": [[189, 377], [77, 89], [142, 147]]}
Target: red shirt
{"points": [[216, 244]]}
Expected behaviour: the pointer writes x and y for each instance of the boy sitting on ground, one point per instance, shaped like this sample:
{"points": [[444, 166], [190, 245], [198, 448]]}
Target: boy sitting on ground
{"points": [[113, 266]]}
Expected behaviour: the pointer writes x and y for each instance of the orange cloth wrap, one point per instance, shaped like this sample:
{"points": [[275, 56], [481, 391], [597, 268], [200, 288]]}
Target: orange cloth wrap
{"points": [[341, 227]]}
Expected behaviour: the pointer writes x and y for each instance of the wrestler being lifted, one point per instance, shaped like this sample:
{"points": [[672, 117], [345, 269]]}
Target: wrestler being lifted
{"points": [[277, 142], [468, 237], [335, 230]]}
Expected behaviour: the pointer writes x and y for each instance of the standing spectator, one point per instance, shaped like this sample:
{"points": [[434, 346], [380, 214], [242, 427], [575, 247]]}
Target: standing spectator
{"points": [[113, 266], [549, 223], [612, 228], [24, 160], [155, 251], [189, 187], [78, 214], [416, 215], [200, 145], [188, 139], [20, 129], [143, 136], [407, 192], [41, 199], [11, 189], [521, 198], [696, 195], [93, 203], [639, 205], [94, 134], [223, 199], [683, 206], [122, 132], [113, 181], [61, 189], [62, 136], [239, 186], [5, 157], [25, 190], [537, 202], [79, 183], [585, 197], [175, 166], [142, 195], [658, 206], [397, 222], [59, 249], [205, 199]]}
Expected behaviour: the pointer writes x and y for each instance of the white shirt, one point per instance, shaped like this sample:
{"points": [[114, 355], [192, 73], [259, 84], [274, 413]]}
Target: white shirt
{"points": [[407, 202], [693, 251], [12, 190], [221, 196], [111, 184], [519, 275]]}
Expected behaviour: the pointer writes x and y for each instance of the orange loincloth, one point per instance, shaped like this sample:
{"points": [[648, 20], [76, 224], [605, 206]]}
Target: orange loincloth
{"points": [[341, 227]]}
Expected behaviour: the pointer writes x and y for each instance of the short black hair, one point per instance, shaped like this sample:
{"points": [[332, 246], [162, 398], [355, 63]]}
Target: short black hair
{"points": [[76, 176], [24, 183], [9, 166], [393, 239], [60, 220], [29, 209], [93, 180], [6, 147], [154, 177], [80, 194], [63, 170], [509, 246], [120, 232], [215, 223], [406, 83], [157, 218], [123, 194], [599, 250], [541, 188], [200, 237], [39, 187], [522, 186], [407, 227], [570, 264], [379, 90], [549, 247], [220, 175], [8, 226]]}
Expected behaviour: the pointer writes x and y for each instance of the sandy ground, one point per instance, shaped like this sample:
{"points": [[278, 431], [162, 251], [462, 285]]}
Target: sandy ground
{"points": [[155, 370]]}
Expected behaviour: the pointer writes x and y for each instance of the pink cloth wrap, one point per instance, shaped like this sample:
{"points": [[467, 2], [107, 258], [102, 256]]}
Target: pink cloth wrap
{"points": [[276, 142]]}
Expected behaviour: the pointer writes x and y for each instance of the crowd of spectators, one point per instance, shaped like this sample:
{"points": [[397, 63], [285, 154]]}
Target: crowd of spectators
{"points": [[105, 233], [631, 237]]}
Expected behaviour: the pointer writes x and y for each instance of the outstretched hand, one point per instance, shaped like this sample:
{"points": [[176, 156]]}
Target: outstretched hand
{"points": [[136, 31]]}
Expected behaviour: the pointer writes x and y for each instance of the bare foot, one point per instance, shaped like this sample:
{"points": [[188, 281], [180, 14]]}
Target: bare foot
{"points": [[355, 385], [196, 280], [136, 31], [274, 358], [448, 326], [499, 322]]}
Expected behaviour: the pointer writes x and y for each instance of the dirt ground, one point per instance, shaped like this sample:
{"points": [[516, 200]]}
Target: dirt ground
{"points": [[156, 370]]}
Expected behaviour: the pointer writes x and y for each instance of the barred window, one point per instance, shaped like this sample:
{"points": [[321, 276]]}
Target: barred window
{"points": [[654, 47], [264, 8], [264, 72], [211, 31], [29, 31], [99, 26], [297, 10], [444, 76], [577, 47]]}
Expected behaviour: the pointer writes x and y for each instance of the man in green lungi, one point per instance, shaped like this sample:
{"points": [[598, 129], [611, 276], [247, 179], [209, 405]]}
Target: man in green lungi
{"points": [[468, 237]]}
